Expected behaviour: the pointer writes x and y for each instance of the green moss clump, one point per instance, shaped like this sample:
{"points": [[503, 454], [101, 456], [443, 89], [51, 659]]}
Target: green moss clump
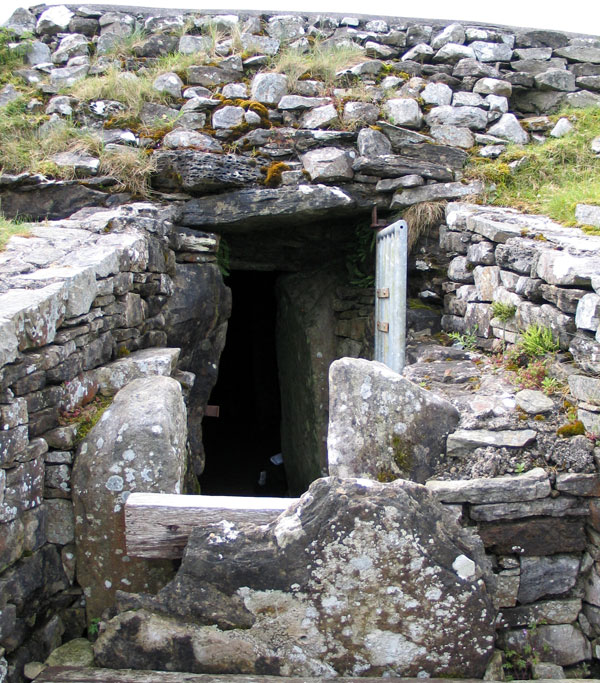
{"points": [[402, 453], [571, 429], [85, 417]]}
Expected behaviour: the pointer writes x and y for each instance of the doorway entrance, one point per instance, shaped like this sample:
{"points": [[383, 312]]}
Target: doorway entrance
{"points": [[243, 445]]}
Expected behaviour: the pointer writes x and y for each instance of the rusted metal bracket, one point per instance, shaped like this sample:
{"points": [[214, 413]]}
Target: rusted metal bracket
{"points": [[212, 411], [376, 223], [383, 327], [383, 293]]}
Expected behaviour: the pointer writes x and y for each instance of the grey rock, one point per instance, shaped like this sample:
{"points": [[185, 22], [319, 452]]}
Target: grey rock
{"points": [[199, 104], [60, 526], [360, 393], [452, 53], [564, 643], [144, 363], [263, 45], [138, 445], [392, 184], [487, 280], [459, 270], [563, 611], [418, 33], [453, 33], [373, 143], [181, 138], [563, 268], [228, 117], [467, 99], [72, 45], [579, 53], [563, 127], [537, 53], [582, 99], [588, 83], [378, 51], [68, 75], [8, 94], [419, 53], [588, 214], [38, 53], [508, 128], [211, 76], [541, 38], [54, 20], [328, 164], [548, 507], [547, 670], [469, 66], [493, 86], [535, 67], [363, 112], [320, 117], [399, 137], [21, 21], [437, 94], [467, 117], [587, 316], [116, 23], [81, 163], [533, 402], [491, 52], [529, 486], [595, 146], [289, 588], [245, 209], [404, 112], [585, 388], [394, 165], [285, 27], [168, 83], [189, 44], [61, 104], [299, 103], [543, 576], [455, 136], [497, 103], [556, 79], [196, 171], [435, 192]]}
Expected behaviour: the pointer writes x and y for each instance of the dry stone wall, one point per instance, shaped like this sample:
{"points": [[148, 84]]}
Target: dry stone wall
{"points": [[82, 305]]}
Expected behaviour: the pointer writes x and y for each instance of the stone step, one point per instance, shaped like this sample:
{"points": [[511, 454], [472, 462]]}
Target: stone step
{"points": [[61, 674]]}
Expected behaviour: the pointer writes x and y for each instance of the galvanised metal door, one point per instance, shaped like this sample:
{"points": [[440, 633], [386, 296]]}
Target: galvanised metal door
{"points": [[390, 295]]}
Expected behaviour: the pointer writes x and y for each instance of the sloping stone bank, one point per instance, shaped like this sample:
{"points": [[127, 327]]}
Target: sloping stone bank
{"points": [[390, 127], [81, 302]]}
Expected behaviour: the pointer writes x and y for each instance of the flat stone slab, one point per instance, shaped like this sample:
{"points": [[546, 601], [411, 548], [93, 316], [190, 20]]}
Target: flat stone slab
{"points": [[143, 363], [529, 486], [464, 441]]}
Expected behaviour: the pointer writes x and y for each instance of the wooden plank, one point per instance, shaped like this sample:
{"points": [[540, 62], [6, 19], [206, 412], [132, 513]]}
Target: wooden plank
{"points": [[157, 525], [61, 674]]}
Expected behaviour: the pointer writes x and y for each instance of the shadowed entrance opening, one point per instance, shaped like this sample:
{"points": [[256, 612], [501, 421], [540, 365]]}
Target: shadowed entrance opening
{"points": [[241, 443]]}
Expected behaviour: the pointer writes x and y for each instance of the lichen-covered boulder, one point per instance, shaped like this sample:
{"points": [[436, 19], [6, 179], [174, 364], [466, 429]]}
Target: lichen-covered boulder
{"points": [[139, 444], [382, 425], [356, 579]]}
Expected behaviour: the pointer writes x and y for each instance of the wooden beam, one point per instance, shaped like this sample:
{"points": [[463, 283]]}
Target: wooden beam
{"points": [[62, 674], [157, 525]]}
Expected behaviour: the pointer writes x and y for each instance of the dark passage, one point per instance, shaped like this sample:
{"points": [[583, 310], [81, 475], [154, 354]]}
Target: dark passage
{"points": [[240, 443]]}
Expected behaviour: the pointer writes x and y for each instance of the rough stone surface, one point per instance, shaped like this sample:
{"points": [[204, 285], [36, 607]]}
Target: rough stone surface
{"points": [[144, 363], [404, 112], [377, 423], [269, 88], [533, 402], [508, 128], [328, 164], [587, 214], [551, 575], [137, 445], [358, 578]]}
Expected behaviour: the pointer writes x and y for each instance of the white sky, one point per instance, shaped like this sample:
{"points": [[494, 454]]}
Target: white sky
{"points": [[579, 16]]}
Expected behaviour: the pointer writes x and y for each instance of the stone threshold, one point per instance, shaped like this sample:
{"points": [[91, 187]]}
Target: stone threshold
{"points": [[61, 674]]}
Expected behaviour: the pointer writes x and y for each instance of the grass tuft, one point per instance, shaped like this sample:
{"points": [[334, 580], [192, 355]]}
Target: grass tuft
{"points": [[556, 175], [9, 229], [421, 218]]}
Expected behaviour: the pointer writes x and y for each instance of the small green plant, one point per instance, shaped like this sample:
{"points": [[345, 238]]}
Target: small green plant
{"points": [[520, 467], [504, 312], [85, 417], [360, 258], [537, 341], [532, 375], [551, 385], [93, 627], [468, 339]]}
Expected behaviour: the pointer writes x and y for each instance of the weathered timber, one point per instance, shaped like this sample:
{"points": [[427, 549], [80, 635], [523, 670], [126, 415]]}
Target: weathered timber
{"points": [[394, 166], [157, 525], [62, 674]]}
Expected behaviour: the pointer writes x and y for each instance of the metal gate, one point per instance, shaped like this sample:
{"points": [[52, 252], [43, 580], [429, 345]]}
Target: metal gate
{"points": [[390, 295]]}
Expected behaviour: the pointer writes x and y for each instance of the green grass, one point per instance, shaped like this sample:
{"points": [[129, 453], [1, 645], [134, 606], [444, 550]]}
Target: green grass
{"points": [[321, 61], [10, 228], [556, 176]]}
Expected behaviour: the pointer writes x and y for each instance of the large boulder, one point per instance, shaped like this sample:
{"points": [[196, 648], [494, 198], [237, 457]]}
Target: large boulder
{"points": [[358, 578], [382, 425], [139, 444]]}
